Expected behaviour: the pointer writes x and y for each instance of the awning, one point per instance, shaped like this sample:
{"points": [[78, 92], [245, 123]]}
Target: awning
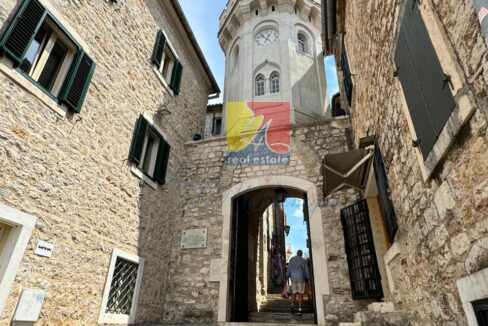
{"points": [[346, 170]]}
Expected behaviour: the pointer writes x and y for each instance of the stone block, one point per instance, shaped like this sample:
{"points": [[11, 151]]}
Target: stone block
{"points": [[381, 307]]}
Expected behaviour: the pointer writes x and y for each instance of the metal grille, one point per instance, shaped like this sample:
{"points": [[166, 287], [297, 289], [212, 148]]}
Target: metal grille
{"points": [[480, 308], [361, 258], [122, 287]]}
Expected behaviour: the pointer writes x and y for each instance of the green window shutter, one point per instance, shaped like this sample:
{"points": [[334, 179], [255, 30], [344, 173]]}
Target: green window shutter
{"points": [[138, 140], [176, 77], [77, 82], [162, 161], [21, 31], [158, 49]]}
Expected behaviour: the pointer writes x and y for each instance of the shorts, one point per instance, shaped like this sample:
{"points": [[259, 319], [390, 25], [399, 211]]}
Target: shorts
{"points": [[297, 287]]}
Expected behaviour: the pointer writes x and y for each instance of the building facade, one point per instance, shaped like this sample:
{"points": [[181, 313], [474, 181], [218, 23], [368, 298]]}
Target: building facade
{"points": [[113, 210], [413, 74], [88, 116]]}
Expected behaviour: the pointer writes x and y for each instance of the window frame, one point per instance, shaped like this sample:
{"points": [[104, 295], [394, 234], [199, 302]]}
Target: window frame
{"points": [[168, 50], [274, 83], [136, 168], [259, 81], [302, 45], [214, 126], [110, 318], [43, 55], [464, 108], [58, 100], [19, 234]]}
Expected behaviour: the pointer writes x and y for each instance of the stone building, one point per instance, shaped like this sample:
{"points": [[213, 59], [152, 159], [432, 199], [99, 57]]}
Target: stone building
{"points": [[414, 75], [273, 53], [111, 211], [77, 217]]}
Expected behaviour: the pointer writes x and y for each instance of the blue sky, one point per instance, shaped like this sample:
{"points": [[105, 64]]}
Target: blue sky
{"points": [[203, 16], [298, 229]]}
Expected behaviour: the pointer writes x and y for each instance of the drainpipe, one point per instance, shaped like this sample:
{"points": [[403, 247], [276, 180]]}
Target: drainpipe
{"points": [[481, 7]]}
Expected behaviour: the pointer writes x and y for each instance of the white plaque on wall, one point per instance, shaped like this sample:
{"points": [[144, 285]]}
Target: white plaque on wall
{"points": [[44, 248], [29, 305], [196, 238]]}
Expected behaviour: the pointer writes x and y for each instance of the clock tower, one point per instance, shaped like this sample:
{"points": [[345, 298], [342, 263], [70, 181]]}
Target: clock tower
{"points": [[273, 51]]}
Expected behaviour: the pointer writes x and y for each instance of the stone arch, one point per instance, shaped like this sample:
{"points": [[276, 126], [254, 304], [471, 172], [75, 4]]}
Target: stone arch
{"points": [[268, 23], [309, 35], [321, 283]]}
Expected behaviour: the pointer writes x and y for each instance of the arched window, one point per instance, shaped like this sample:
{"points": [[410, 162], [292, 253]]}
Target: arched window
{"points": [[259, 85], [302, 43], [274, 81]]}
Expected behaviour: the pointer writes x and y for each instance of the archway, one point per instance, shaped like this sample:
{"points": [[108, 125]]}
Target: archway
{"points": [[321, 284]]}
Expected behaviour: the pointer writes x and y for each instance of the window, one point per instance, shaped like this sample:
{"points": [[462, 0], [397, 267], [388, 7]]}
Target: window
{"points": [[167, 63], [363, 268], [42, 50], [302, 43], [480, 308], [149, 151], [259, 85], [216, 125], [275, 82], [273, 8], [348, 86], [120, 296], [425, 86], [15, 231], [383, 193], [257, 12]]}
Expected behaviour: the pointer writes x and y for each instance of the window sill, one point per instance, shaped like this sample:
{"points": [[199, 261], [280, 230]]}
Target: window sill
{"points": [[17, 77], [163, 81], [304, 53], [138, 173]]}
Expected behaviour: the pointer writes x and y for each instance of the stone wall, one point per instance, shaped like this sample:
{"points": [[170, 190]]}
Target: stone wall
{"points": [[205, 177], [442, 221], [71, 172]]}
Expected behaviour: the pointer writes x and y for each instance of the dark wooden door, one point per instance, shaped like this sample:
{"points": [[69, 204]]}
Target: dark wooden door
{"points": [[238, 285], [361, 257]]}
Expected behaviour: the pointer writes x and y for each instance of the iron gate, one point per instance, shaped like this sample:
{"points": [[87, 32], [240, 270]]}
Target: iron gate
{"points": [[361, 257]]}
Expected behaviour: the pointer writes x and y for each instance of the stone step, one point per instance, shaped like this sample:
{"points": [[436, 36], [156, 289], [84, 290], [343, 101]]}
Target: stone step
{"points": [[284, 310], [349, 324], [376, 318], [381, 307], [281, 318]]}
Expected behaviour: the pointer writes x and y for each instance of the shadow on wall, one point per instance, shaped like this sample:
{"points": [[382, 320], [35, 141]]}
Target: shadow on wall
{"points": [[307, 91]]}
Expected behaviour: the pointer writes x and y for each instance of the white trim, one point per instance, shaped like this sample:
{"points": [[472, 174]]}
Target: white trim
{"points": [[7, 68], [138, 173], [17, 240], [390, 255], [220, 266], [471, 288], [114, 318]]}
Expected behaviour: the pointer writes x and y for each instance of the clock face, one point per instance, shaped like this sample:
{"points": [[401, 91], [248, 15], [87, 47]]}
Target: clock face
{"points": [[266, 37]]}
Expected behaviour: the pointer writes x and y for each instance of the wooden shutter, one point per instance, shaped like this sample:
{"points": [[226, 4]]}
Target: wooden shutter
{"points": [[21, 31], [383, 192], [362, 263], [176, 77], [424, 83], [347, 74], [158, 49], [138, 140], [162, 161], [77, 82]]}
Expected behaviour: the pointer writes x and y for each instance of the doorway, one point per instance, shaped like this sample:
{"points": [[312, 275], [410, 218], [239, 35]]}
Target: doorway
{"points": [[259, 248]]}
